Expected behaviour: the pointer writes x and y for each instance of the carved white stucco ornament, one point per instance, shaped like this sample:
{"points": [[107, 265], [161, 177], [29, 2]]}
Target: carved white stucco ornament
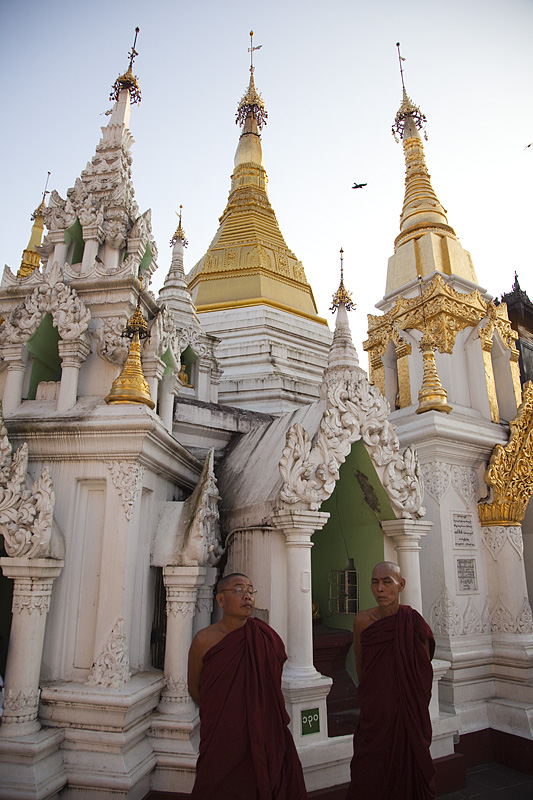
{"points": [[354, 410], [188, 533], [26, 515], [52, 296]]}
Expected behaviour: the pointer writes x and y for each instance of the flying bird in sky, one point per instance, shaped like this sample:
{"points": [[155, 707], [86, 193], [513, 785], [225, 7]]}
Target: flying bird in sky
{"points": [[358, 185]]}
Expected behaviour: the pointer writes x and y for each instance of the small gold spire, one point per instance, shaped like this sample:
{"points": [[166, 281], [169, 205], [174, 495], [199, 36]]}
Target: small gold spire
{"points": [[128, 80], [342, 296], [30, 258], [251, 101], [432, 395], [131, 386], [179, 234], [407, 110]]}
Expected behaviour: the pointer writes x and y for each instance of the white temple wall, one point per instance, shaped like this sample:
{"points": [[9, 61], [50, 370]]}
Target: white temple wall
{"points": [[477, 382]]}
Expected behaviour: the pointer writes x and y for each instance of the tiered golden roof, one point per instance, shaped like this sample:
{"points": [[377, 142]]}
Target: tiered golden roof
{"points": [[248, 262]]}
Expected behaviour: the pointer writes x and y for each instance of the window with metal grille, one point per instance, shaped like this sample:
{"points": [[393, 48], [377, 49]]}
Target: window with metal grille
{"points": [[343, 590]]}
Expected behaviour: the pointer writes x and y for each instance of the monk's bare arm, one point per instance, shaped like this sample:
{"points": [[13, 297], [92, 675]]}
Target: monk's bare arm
{"points": [[361, 621]]}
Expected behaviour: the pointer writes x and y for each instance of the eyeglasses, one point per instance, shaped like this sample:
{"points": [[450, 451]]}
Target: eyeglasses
{"points": [[240, 590]]}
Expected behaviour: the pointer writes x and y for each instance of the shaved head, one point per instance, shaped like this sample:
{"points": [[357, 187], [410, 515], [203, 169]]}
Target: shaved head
{"points": [[390, 565], [227, 579]]}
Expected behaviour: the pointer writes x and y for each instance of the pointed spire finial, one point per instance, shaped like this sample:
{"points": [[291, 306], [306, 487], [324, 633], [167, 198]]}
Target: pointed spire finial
{"points": [[128, 80], [407, 112], [179, 234], [341, 296], [251, 101], [40, 208]]}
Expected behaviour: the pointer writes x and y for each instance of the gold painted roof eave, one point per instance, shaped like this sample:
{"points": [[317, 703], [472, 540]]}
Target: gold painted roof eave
{"points": [[260, 301], [423, 227]]}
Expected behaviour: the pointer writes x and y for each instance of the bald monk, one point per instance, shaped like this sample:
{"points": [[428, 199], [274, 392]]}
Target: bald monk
{"points": [[393, 648], [235, 665]]}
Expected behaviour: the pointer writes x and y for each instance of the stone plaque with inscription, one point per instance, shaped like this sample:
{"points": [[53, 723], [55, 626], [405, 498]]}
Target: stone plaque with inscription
{"points": [[463, 530], [466, 574]]}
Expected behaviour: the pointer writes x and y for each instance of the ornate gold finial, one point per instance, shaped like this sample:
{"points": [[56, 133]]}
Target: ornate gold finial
{"points": [[510, 471], [128, 80], [179, 234], [251, 101], [131, 386], [432, 395], [30, 257], [342, 297], [407, 110]]}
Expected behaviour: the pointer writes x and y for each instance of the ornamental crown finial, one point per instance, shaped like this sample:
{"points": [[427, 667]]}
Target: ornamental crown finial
{"points": [[179, 234], [128, 80], [342, 297], [407, 110], [40, 208], [137, 322], [251, 101]]}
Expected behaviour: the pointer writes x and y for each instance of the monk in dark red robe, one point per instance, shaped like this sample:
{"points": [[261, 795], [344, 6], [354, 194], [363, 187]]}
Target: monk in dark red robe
{"points": [[393, 649], [235, 666]]}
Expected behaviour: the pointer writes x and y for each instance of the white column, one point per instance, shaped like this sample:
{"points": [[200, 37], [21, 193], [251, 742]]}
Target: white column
{"points": [[406, 534], [57, 238], [304, 688], [153, 369], [72, 354], [168, 391], [204, 600], [31, 600], [93, 236], [181, 584], [16, 357]]}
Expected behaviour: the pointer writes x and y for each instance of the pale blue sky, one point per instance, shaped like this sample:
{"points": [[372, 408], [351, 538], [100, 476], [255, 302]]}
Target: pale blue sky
{"points": [[328, 73]]}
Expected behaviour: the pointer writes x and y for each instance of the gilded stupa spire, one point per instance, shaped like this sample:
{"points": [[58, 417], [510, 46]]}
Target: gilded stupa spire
{"points": [[248, 262], [131, 386], [341, 296], [178, 233], [30, 257], [128, 80], [251, 101]]}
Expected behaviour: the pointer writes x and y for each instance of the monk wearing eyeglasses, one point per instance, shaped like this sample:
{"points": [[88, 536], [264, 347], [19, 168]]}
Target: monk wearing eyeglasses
{"points": [[235, 665]]}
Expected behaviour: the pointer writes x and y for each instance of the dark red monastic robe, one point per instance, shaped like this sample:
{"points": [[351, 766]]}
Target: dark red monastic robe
{"points": [[391, 744], [246, 749]]}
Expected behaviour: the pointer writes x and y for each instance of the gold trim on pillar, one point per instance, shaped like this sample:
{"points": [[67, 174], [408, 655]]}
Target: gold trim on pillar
{"points": [[510, 471]]}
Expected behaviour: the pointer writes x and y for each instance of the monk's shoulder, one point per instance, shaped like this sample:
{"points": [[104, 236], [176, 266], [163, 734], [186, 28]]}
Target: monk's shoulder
{"points": [[206, 638], [363, 619]]}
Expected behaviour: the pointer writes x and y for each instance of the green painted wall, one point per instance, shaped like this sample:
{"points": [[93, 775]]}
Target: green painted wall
{"points": [[352, 531], [46, 364]]}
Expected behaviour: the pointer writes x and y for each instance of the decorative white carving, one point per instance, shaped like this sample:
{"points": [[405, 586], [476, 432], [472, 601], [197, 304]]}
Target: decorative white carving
{"points": [[90, 213], [176, 690], [525, 618], [31, 595], [204, 604], [54, 213], [194, 338], [502, 620], [20, 708], [514, 534], [107, 333], [115, 233], [185, 608], [465, 483], [486, 616], [445, 616], [25, 515], [472, 618], [354, 410], [52, 296], [436, 476], [202, 543], [127, 477], [112, 667], [494, 539]]}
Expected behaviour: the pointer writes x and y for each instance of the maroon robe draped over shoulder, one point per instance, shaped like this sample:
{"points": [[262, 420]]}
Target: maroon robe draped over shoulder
{"points": [[391, 744], [246, 749]]}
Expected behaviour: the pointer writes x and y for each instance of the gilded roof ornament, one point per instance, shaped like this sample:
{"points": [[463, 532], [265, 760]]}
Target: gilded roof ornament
{"points": [[251, 101], [342, 297], [407, 110], [128, 80], [510, 471], [137, 324], [179, 235]]}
